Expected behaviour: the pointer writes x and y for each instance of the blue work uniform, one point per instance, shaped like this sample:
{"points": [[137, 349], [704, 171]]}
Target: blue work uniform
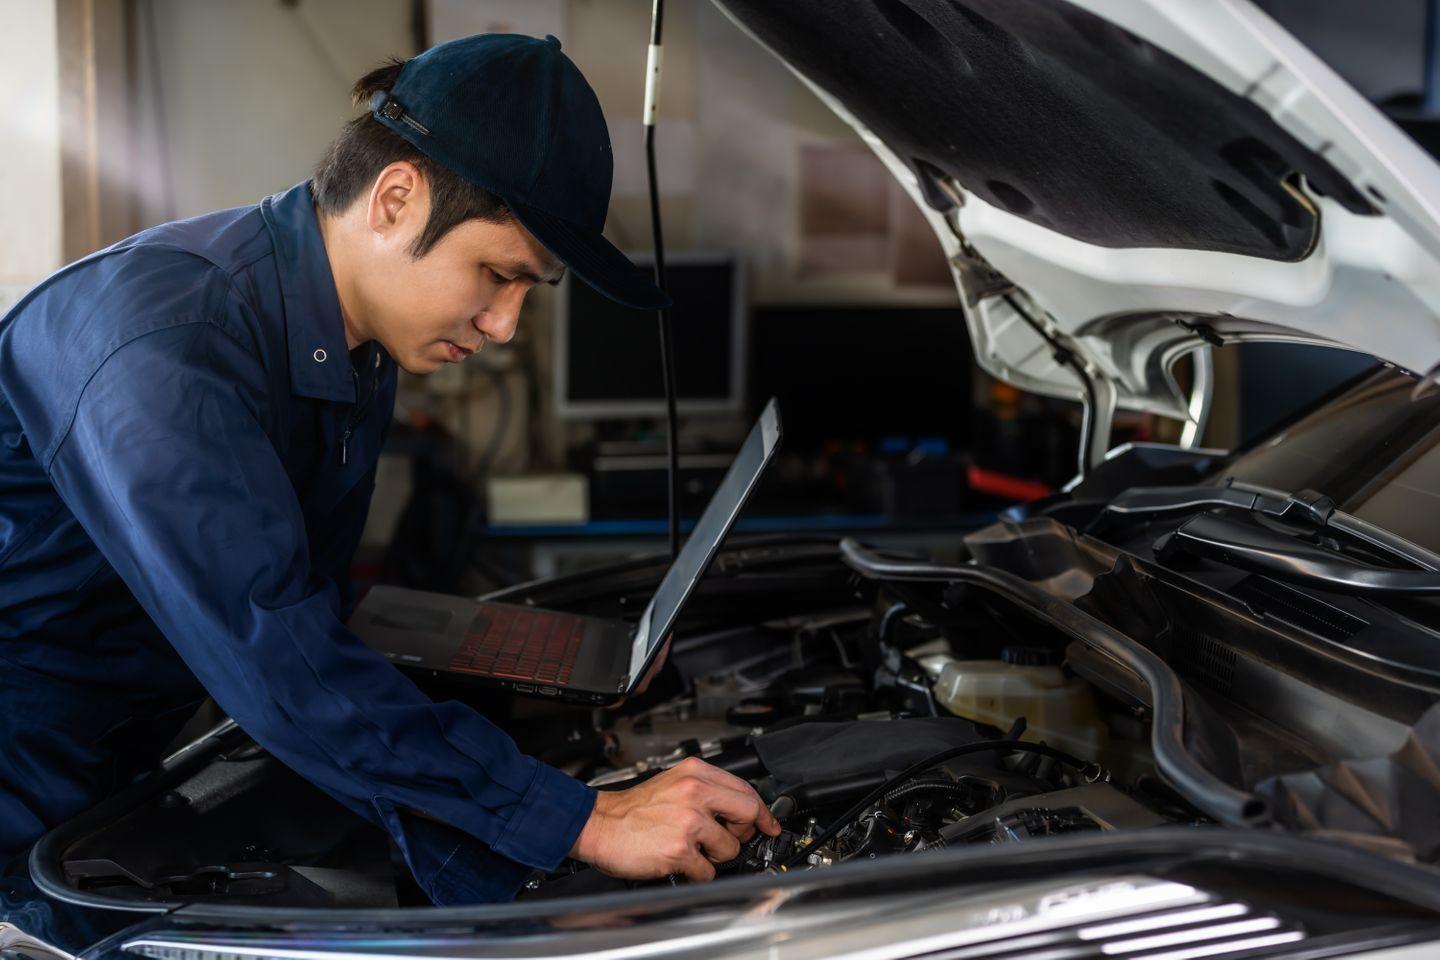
{"points": [[187, 453]]}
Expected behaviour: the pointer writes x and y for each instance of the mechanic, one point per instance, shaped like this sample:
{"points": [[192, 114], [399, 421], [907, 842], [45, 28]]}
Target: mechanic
{"points": [[189, 427]]}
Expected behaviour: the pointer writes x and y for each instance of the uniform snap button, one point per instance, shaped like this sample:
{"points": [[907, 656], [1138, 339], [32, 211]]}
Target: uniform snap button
{"points": [[320, 356]]}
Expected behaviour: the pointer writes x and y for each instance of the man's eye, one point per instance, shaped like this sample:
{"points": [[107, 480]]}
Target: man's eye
{"points": [[500, 277]]}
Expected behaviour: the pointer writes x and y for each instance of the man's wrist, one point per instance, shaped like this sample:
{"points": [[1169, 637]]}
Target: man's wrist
{"points": [[585, 844]]}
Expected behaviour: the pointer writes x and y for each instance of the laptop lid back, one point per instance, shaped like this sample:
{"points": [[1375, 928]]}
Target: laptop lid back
{"points": [[705, 540]]}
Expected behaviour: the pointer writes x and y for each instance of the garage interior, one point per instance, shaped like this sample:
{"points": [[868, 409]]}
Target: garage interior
{"points": [[1184, 654]]}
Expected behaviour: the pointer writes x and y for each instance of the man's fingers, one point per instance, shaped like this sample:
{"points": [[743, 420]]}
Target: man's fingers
{"points": [[740, 831], [752, 810], [732, 806], [717, 842], [743, 806], [697, 869]]}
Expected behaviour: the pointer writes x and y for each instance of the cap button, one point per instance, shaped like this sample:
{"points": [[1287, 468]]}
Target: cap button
{"points": [[553, 40]]}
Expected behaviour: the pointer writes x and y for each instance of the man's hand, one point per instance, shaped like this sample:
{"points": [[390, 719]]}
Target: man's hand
{"points": [[683, 821]]}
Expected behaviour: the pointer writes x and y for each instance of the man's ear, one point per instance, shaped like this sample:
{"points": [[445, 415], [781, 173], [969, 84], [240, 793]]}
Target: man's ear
{"points": [[398, 197]]}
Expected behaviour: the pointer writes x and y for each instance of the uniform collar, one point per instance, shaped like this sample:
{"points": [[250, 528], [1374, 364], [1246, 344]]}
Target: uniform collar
{"points": [[314, 329]]}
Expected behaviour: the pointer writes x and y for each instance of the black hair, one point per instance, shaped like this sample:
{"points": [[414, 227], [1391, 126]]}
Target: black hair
{"points": [[366, 146]]}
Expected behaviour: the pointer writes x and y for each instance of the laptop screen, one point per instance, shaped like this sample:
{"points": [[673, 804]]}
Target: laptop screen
{"points": [[719, 516]]}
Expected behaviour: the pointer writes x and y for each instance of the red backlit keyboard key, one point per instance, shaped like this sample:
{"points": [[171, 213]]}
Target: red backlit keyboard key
{"points": [[521, 645]]}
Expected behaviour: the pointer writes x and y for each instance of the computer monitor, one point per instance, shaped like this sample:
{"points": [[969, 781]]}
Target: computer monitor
{"points": [[607, 357]]}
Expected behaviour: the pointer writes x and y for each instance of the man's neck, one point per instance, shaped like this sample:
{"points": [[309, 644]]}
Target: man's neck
{"points": [[332, 233]]}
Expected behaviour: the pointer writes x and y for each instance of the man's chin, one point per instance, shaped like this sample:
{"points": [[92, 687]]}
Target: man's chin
{"points": [[419, 366]]}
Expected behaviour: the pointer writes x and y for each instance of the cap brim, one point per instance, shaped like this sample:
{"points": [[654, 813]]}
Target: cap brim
{"points": [[593, 259]]}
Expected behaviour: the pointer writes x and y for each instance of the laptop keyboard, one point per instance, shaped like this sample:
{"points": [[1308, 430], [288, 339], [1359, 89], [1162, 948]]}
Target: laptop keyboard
{"points": [[522, 645]]}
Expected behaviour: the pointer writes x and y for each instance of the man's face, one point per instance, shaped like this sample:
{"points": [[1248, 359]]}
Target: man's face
{"points": [[444, 306]]}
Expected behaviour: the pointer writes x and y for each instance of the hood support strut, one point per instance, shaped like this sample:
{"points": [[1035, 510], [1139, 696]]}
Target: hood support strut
{"points": [[1100, 396], [1096, 418]]}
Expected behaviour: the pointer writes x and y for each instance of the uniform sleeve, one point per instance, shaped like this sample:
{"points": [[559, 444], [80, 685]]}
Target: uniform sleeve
{"points": [[168, 468]]}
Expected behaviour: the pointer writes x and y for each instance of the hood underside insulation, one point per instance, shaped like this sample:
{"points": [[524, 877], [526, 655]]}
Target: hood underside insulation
{"points": [[1060, 117]]}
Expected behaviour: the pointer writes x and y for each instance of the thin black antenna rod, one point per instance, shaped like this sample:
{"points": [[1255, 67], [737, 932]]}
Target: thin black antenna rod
{"points": [[1430, 90], [667, 346]]}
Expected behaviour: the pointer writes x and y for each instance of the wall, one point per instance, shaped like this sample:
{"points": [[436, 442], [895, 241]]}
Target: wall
{"points": [[30, 143], [240, 97]]}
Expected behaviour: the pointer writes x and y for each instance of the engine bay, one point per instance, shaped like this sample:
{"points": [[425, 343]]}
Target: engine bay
{"points": [[872, 730]]}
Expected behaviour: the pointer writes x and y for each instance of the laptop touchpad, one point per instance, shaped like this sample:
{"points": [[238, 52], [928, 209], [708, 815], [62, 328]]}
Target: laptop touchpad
{"points": [[398, 616]]}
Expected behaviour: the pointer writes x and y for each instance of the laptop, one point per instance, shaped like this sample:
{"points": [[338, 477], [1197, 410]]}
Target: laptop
{"points": [[546, 653]]}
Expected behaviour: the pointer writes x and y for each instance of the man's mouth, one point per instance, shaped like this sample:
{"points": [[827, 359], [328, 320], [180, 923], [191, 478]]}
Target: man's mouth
{"points": [[457, 352]]}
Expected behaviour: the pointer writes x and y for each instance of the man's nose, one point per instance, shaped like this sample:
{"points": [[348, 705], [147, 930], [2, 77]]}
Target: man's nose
{"points": [[499, 321]]}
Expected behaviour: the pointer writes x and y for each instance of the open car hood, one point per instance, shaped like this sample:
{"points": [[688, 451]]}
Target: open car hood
{"points": [[1120, 183]]}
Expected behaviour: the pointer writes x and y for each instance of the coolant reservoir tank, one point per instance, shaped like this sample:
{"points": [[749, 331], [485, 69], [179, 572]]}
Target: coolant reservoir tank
{"points": [[1058, 709]]}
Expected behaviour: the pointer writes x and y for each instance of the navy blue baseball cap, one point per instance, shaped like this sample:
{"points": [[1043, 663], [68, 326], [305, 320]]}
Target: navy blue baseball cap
{"points": [[514, 116]]}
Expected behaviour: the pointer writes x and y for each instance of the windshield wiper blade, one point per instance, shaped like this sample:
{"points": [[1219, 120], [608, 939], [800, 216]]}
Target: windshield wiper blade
{"points": [[1306, 507], [1251, 546]]}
